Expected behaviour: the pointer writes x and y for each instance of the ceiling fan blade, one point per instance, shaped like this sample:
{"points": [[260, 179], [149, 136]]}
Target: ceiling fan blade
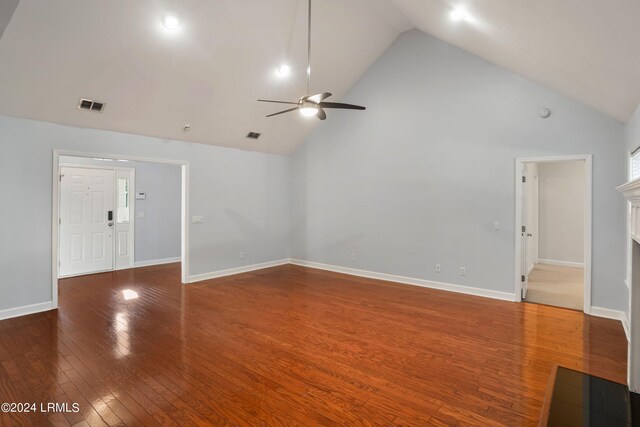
{"points": [[317, 98], [321, 114], [341, 105], [282, 112], [277, 102]]}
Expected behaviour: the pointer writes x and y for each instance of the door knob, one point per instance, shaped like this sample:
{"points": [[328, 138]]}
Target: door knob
{"points": [[110, 224], [529, 235]]}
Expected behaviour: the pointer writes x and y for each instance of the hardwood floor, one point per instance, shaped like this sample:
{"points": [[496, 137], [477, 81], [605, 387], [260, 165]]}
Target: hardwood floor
{"points": [[290, 345]]}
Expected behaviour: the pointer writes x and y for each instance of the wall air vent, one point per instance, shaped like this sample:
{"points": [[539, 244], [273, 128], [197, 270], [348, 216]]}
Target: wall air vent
{"points": [[253, 135], [90, 105]]}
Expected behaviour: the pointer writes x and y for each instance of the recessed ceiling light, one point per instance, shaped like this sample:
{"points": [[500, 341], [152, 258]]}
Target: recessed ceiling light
{"points": [[459, 14], [283, 70], [171, 22]]}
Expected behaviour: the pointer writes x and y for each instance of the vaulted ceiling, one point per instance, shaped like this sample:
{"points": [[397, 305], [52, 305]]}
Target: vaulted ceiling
{"points": [[210, 72], [585, 49]]}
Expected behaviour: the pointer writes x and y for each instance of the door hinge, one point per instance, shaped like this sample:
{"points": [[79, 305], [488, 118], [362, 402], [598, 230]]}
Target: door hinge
{"points": [[522, 278], [59, 220], [524, 179], [61, 175], [524, 228]]}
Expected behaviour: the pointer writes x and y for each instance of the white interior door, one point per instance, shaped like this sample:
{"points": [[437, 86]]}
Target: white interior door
{"points": [[531, 219], [86, 221]]}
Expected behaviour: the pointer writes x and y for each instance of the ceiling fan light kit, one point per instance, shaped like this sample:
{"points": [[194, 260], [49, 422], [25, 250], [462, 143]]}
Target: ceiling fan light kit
{"points": [[309, 109], [312, 105]]}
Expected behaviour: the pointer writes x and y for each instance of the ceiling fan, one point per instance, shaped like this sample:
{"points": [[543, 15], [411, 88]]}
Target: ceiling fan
{"points": [[312, 105]]}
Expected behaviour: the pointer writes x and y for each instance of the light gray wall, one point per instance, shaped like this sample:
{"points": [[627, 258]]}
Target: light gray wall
{"points": [[7, 9], [632, 132], [561, 211], [158, 233], [421, 176], [243, 196]]}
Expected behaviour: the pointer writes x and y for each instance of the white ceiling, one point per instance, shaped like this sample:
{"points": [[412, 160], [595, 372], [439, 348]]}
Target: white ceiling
{"points": [[585, 49], [210, 73]]}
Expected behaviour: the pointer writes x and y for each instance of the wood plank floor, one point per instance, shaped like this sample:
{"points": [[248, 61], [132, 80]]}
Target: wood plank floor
{"points": [[292, 346]]}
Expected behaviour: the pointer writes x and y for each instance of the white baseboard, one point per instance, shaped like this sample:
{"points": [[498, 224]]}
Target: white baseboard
{"points": [[607, 313], [487, 293], [625, 326], [561, 263], [156, 262], [25, 309], [237, 270], [530, 269]]}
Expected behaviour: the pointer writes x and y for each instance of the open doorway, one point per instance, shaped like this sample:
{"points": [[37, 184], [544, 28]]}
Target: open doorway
{"points": [[113, 213], [553, 215], [106, 224]]}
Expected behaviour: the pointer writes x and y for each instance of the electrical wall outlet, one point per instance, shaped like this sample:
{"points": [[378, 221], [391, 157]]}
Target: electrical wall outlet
{"points": [[463, 271], [197, 219], [241, 254], [496, 225], [140, 214], [353, 257], [438, 269]]}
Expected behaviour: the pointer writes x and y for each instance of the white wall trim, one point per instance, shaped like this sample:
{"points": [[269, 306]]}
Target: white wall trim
{"points": [[561, 263], [608, 313], [625, 325], [236, 270], [588, 213], [25, 309], [156, 262], [487, 293], [55, 210]]}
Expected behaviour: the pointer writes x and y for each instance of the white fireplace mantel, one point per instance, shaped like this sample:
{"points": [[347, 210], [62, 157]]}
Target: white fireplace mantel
{"points": [[631, 192]]}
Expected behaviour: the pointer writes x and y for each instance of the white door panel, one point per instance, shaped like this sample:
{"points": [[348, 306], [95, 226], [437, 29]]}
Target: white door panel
{"points": [[123, 244], [86, 234]]}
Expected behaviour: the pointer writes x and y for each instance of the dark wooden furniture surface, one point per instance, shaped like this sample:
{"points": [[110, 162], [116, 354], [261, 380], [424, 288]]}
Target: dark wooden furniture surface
{"points": [[292, 346], [577, 399]]}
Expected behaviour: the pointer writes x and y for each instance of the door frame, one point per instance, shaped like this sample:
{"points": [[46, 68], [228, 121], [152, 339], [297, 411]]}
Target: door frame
{"points": [[588, 214], [55, 191], [95, 167], [132, 186]]}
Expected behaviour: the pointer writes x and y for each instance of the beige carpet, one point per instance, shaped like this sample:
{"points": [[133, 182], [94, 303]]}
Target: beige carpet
{"points": [[559, 286]]}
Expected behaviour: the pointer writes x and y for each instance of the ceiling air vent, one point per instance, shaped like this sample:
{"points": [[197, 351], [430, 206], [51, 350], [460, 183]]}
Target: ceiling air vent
{"points": [[90, 105], [253, 135]]}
